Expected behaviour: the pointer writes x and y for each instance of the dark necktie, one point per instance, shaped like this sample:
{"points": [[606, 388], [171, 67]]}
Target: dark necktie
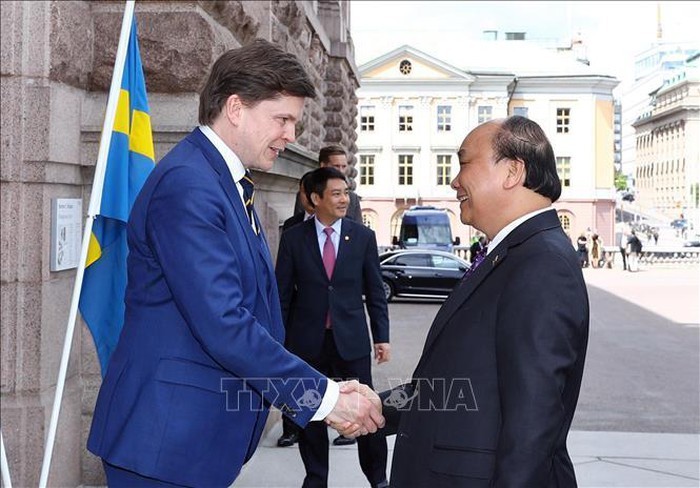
{"points": [[249, 198], [480, 256], [328, 263]]}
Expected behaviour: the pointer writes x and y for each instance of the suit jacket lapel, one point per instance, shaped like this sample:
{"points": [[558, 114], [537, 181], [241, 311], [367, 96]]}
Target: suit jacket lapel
{"points": [[312, 244], [344, 241], [538, 223], [229, 186], [464, 290]]}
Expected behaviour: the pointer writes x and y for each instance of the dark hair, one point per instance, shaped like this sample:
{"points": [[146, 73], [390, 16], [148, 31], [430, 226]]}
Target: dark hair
{"points": [[304, 181], [521, 138], [256, 72], [317, 181], [325, 153]]}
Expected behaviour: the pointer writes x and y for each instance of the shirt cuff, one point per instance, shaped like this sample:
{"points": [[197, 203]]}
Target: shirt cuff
{"points": [[330, 398]]}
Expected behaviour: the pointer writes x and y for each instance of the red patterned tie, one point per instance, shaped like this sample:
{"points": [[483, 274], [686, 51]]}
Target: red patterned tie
{"points": [[328, 263]]}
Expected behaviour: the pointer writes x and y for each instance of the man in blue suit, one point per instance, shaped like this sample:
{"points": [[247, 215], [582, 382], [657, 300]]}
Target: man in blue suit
{"points": [[200, 359], [324, 267]]}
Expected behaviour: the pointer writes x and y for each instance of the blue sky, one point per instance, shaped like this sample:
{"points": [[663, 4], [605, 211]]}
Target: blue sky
{"points": [[613, 31]]}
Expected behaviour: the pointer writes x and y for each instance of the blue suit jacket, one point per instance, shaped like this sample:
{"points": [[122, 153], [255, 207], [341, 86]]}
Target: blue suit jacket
{"points": [[200, 358], [307, 294], [495, 390]]}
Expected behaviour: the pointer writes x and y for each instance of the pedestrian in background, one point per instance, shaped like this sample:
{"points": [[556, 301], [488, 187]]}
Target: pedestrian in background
{"points": [[335, 156]]}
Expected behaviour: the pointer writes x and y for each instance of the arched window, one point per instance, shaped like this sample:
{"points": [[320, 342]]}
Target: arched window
{"points": [[396, 222], [565, 219], [369, 219]]}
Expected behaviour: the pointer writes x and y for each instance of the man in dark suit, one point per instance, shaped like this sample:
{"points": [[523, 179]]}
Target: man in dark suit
{"points": [[334, 156], [186, 393], [494, 392], [324, 267]]}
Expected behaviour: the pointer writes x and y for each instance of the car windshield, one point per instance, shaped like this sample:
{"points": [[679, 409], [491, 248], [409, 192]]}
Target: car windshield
{"points": [[426, 234]]}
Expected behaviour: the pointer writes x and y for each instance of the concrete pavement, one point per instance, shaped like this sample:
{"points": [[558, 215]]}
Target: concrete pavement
{"points": [[601, 459]]}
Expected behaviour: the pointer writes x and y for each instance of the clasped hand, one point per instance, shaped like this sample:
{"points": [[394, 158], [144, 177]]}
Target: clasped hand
{"points": [[357, 412]]}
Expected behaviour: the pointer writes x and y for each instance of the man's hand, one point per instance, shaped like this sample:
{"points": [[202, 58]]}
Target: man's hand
{"points": [[357, 412], [382, 352]]}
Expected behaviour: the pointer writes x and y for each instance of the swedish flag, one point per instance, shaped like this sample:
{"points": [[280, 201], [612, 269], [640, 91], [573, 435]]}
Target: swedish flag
{"points": [[129, 162]]}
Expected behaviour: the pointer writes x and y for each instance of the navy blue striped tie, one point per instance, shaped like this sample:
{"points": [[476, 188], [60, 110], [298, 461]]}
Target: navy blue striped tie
{"points": [[249, 198]]}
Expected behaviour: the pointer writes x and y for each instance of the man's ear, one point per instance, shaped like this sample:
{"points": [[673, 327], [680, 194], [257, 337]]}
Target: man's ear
{"points": [[315, 199], [233, 109], [516, 173]]}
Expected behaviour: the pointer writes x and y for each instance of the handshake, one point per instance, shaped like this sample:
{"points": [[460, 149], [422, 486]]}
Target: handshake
{"points": [[357, 412]]}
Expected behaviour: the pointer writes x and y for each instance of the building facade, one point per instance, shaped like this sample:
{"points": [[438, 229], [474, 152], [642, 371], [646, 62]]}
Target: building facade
{"points": [[667, 169], [57, 63], [652, 67], [415, 110]]}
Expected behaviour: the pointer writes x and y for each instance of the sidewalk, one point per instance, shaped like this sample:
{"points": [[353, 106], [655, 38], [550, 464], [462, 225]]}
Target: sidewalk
{"points": [[601, 459]]}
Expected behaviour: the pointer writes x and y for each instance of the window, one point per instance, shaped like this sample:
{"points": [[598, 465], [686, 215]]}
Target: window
{"points": [[422, 260], [522, 111], [444, 166], [444, 118], [446, 263], [564, 170], [563, 120], [405, 169], [405, 67], [367, 119], [485, 113], [565, 222], [367, 169], [369, 219], [405, 118]]}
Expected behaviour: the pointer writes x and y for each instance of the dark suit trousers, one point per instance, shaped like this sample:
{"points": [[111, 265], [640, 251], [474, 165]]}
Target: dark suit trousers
{"points": [[313, 441]]}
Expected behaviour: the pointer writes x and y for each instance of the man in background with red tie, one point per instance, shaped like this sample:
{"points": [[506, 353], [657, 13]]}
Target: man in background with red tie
{"points": [[324, 267]]}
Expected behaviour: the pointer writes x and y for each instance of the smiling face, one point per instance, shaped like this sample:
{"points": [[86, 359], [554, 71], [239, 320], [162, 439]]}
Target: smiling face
{"points": [[261, 131], [479, 183], [333, 204]]}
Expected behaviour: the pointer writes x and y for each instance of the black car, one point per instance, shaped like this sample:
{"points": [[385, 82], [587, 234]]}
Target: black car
{"points": [[421, 272]]}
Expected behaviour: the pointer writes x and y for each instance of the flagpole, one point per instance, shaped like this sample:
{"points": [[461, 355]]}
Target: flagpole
{"points": [[93, 210], [6, 481]]}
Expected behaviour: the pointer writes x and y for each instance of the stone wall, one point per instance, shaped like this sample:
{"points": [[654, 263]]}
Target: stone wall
{"points": [[57, 62]]}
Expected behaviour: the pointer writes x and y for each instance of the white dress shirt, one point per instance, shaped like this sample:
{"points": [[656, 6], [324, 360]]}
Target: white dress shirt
{"points": [[335, 236], [510, 227]]}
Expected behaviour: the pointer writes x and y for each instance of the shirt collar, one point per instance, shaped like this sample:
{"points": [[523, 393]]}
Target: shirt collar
{"points": [[510, 227], [234, 164], [319, 226]]}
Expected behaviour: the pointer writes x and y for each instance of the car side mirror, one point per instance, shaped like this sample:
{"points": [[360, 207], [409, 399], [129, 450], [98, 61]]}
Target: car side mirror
{"points": [[457, 241]]}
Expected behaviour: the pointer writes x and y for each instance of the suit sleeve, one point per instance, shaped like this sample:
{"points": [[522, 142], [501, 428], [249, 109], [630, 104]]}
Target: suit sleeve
{"points": [[394, 402], [375, 299], [187, 230], [541, 332]]}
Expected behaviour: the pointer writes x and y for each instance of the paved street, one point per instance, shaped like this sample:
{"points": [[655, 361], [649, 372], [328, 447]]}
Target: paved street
{"points": [[639, 413]]}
